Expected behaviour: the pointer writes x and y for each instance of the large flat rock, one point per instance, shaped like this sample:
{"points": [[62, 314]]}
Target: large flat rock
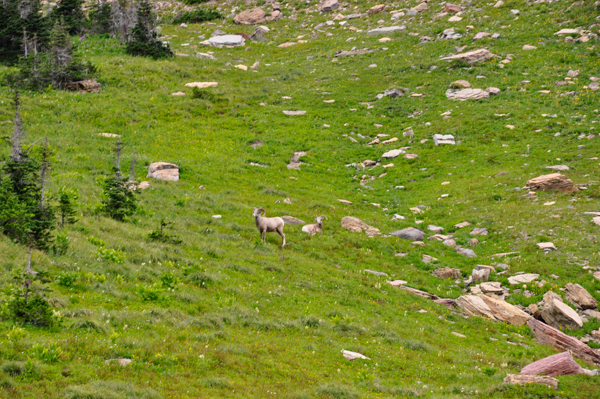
{"points": [[386, 30]]}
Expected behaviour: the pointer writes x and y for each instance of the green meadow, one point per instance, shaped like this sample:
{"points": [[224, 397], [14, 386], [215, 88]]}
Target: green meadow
{"points": [[218, 314]]}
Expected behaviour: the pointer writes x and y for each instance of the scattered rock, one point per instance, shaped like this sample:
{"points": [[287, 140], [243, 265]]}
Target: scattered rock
{"points": [[580, 297], [397, 283], [435, 229], [376, 9], [178, 93], [560, 168], [349, 354], [226, 40], [492, 308], [472, 57], [84, 86], [530, 379], [345, 202], [386, 30], [546, 246], [473, 242], [529, 47], [467, 94], [469, 253], [329, 5], [143, 185], [448, 273], [393, 153], [559, 315], [409, 233], [523, 278], [462, 224], [109, 135], [252, 17], [479, 231], [380, 274], [555, 365], [460, 84], [163, 171], [295, 160], [563, 32], [452, 8], [121, 361], [342, 53], [480, 275], [439, 139], [551, 182], [294, 113], [292, 220], [357, 226], [202, 85]]}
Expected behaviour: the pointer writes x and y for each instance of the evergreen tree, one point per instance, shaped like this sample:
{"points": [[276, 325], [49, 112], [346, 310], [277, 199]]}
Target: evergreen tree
{"points": [[66, 206], [26, 217], [101, 18], [71, 15], [56, 67], [143, 38], [16, 17], [119, 195]]}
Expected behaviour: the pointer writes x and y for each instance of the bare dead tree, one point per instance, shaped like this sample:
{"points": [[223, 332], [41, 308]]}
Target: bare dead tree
{"points": [[132, 168], [118, 150], [123, 19], [18, 134], [45, 167]]}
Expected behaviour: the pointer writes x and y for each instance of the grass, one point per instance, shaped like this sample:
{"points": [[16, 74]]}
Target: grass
{"points": [[223, 315]]}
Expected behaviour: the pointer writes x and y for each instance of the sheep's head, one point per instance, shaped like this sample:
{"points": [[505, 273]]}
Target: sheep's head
{"points": [[319, 219], [257, 212]]}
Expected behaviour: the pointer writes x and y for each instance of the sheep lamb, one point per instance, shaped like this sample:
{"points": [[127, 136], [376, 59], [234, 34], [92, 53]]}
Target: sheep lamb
{"points": [[266, 225], [313, 229]]}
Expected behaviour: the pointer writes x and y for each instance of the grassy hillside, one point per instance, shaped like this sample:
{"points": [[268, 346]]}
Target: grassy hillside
{"points": [[223, 315]]}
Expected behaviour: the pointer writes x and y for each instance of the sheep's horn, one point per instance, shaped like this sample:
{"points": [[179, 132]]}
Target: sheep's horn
{"points": [[263, 210], [324, 217]]}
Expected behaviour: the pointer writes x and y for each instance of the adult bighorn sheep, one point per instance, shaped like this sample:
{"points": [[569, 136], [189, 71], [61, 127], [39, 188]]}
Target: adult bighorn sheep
{"points": [[266, 225], [313, 229]]}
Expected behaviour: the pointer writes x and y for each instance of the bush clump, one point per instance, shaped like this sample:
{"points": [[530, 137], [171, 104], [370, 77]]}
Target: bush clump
{"points": [[144, 37], [198, 16]]}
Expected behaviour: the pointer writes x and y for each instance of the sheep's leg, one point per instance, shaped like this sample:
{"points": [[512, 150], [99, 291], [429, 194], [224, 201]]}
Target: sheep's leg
{"points": [[263, 235], [280, 231]]}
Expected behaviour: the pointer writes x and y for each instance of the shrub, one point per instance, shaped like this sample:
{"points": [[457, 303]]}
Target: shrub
{"points": [[119, 201], [49, 353], [110, 254], [34, 310], [67, 279], [216, 382], [61, 244], [151, 292], [109, 390], [200, 279], [13, 368], [197, 16]]}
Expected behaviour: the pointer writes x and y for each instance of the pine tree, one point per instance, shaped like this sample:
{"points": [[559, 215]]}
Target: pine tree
{"points": [[16, 17], [101, 18], [143, 37], [66, 206], [26, 217], [71, 15], [119, 195]]}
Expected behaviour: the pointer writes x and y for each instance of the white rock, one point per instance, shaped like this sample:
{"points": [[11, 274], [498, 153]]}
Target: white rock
{"points": [[393, 153], [523, 278], [353, 355], [386, 30], [227, 40], [202, 85], [443, 139]]}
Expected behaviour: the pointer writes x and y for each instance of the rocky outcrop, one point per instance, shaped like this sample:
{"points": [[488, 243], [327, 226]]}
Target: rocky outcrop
{"points": [[558, 314], [580, 297], [250, 17], [548, 335], [164, 171], [357, 226], [492, 308], [84, 86], [551, 182], [555, 365]]}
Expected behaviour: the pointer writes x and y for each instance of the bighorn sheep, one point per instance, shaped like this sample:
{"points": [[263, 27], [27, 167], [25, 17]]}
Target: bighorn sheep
{"points": [[266, 225], [313, 229]]}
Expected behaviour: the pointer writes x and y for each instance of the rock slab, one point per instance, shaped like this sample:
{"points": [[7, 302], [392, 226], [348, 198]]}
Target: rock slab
{"points": [[163, 171], [551, 182]]}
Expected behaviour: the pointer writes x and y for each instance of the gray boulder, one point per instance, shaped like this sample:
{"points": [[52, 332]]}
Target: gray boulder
{"points": [[409, 233]]}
